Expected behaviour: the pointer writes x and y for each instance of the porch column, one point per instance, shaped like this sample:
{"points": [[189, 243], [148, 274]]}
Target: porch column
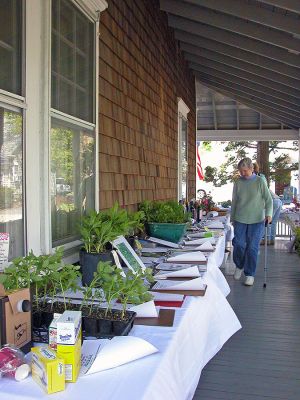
{"points": [[298, 194]]}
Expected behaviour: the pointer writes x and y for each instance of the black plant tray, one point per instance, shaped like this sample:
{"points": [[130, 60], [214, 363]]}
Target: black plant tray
{"points": [[91, 326]]}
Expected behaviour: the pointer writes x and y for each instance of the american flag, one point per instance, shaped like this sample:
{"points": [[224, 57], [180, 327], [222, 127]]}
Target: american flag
{"points": [[199, 166]]}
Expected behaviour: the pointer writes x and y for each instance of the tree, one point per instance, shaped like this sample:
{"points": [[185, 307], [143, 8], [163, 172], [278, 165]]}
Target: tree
{"points": [[235, 151]]}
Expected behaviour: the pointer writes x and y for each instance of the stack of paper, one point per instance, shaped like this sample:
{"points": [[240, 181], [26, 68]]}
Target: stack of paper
{"points": [[215, 225], [193, 284], [188, 258], [197, 242], [207, 246], [164, 242], [190, 272], [196, 235]]}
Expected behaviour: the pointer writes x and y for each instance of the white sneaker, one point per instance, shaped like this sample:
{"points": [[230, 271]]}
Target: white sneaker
{"points": [[249, 280], [237, 274]]}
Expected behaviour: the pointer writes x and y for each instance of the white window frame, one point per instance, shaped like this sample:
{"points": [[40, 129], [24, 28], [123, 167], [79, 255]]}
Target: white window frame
{"points": [[17, 103], [38, 119], [183, 111]]}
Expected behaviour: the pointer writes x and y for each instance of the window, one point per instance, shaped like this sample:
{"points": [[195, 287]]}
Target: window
{"points": [[183, 110], [10, 45], [72, 178], [72, 71], [72, 138], [11, 179], [183, 161], [11, 127]]}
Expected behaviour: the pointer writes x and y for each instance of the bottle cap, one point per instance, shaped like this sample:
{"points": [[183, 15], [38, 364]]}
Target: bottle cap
{"points": [[22, 372]]}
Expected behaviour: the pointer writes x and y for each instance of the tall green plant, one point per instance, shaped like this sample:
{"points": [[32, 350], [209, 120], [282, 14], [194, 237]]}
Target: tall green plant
{"points": [[99, 228], [133, 288], [164, 212]]}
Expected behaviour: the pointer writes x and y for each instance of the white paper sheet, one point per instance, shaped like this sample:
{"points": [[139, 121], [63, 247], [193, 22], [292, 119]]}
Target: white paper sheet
{"points": [[102, 354], [190, 272], [172, 267], [188, 257], [155, 250], [207, 246], [145, 310], [196, 235], [215, 225], [167, 296], [164, 242], [193, 284], [211, 240]]}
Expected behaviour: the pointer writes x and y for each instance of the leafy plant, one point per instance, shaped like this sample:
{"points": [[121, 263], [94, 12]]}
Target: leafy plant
{"points": [[45, 273], [297, 239], [132, 288], [164, 212], [99, 228]]}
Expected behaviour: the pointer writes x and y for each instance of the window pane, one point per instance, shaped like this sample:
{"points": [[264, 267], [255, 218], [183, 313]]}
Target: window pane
{"points": [[72, 61], [10, 45], [11, 173], [184, 161], [72, 179]]}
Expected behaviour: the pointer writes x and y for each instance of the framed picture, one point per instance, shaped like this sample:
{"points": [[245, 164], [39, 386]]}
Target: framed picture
{"points": [[127, 254]]}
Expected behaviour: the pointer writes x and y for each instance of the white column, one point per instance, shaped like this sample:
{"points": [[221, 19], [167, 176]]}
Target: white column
{"points": [[298, 194]]}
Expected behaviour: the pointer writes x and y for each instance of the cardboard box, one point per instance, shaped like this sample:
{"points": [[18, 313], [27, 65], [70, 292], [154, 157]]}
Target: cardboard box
{"points": [[53, 332], [48, 370], [15, 321], [71, 354], [68, 327]]}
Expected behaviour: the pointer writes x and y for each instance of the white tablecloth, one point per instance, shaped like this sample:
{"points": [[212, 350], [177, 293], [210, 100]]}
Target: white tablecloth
{"points": [[202, 325]]}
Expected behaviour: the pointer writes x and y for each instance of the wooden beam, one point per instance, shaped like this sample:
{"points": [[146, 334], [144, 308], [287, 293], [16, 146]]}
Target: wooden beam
{"points": [[190, 43], [255, 78], [257, 106], [252, 12], [233, 39], [262, 86], [232, 24], [259, 94], [250, 96], [242, 65], [291, 5], [247, 134]]}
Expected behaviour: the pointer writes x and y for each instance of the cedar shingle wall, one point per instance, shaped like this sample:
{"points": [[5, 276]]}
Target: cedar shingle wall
{"points": [[142, 72]]}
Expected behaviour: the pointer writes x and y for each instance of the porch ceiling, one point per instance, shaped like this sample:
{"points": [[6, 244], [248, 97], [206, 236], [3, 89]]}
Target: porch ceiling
{"points": [[245, 57]]}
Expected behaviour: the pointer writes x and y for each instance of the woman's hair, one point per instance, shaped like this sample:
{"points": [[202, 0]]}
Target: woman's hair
{"points": [[256, 167], [245, 163]]}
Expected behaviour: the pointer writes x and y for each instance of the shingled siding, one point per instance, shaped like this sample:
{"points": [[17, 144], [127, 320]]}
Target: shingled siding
{"points": [[141, 74]]}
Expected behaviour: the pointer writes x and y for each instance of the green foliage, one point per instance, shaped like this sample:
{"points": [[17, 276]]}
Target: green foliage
{"points": [[164, 212], [137, 225], [99, 228], [129, 289], [45, 273], [297, 239], [235, 151], [226, 203]]}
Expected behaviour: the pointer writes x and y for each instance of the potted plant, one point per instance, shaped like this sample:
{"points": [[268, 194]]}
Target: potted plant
{"points": [[109, 322], [98, 229], [165, 219], [46, 276]]}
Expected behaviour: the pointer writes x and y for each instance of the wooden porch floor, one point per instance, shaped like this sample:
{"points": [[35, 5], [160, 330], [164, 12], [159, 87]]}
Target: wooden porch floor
{"points": [[261, 361]]}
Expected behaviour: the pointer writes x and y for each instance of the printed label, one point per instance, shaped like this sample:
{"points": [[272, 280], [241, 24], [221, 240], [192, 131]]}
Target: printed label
{"points": [[69, 372]]}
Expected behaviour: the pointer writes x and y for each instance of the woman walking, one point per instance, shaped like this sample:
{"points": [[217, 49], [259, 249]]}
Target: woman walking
{"points": [[251, 207]]}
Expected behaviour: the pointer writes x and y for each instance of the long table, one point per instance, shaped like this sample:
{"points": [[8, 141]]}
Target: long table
{"points": [[201, 327]]}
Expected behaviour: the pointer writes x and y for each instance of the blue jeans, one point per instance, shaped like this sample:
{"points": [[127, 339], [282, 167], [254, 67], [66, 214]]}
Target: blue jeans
{"points": [[277, 204], [245, 245]]}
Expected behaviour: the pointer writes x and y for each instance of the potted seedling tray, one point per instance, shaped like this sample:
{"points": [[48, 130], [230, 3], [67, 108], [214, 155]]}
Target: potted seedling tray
{"points": [[94, 323]]}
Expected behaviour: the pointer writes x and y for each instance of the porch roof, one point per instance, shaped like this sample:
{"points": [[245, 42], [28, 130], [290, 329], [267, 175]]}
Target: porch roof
{"points": [[245, 57]]}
